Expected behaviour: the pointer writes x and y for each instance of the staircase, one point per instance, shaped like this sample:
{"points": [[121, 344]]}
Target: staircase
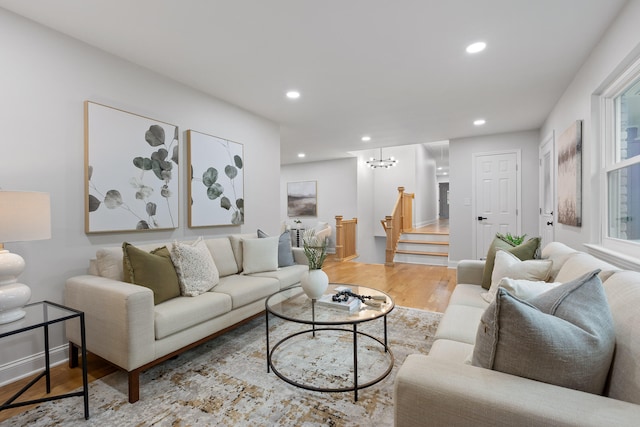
{"points": [[423, 246]]}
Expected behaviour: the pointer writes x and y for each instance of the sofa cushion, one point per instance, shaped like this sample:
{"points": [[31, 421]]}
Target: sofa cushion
{"points": [[287, 276], [244, 289], [465, 294], [525, 251], [182, 313], [223, 256], [623, 294], [453, 351], [285, 254], [558, 253], [259, 255], [197, 273], [581, 263], [153, 270], [564, 336], [460, 323]]}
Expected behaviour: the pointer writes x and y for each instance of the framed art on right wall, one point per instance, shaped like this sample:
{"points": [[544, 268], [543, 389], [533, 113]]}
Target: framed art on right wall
{"points": [[570, 175]]}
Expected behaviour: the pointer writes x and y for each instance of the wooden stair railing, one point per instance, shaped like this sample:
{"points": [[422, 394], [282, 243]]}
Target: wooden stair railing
{"points": [[346, 238], [400, 220]]}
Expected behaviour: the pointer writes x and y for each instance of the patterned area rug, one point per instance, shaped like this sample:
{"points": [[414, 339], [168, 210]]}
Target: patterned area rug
{"points": [[225, 381]]}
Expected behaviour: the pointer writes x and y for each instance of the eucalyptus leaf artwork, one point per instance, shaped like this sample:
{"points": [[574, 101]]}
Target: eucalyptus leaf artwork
{"points": [[131, 171], [216, 188]]}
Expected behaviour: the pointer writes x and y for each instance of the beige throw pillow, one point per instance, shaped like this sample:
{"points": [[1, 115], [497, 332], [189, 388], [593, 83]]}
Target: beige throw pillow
{"points": [[525, 251], [519, 288], [260, 254], [196, 270], [510, 266]]}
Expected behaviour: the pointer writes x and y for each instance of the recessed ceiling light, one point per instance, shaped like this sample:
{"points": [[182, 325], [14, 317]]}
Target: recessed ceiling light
{"points": [[476, 47], [445, 173], [366, 138], [293, 94], [301, 155], [479, 122], [440, 168]]}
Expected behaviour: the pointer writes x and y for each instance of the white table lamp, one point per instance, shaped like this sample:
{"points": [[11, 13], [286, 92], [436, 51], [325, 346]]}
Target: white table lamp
{"points": [[24, 216]]}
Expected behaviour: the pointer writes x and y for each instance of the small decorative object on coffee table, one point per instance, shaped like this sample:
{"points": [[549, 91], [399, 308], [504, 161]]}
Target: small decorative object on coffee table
{"points": [[315, 281], [299, 361]]}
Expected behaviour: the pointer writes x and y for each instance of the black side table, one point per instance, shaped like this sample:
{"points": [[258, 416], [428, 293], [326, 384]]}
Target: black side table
{"points": [[41, 315]]}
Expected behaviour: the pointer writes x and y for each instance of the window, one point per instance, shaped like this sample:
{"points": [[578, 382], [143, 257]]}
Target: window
{"points": [[621, 172]]}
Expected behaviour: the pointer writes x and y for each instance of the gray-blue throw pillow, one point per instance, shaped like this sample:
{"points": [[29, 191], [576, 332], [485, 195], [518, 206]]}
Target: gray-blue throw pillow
{"points": [[564, 336], [285, 254]]}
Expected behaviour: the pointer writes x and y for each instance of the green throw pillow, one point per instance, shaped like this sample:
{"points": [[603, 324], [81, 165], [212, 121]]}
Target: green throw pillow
{"points": [[524, 252], [153, 270], [564, 336]]}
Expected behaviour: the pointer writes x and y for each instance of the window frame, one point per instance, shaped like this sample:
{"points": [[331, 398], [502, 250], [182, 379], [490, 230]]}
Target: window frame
{"points": [[609, 154]]}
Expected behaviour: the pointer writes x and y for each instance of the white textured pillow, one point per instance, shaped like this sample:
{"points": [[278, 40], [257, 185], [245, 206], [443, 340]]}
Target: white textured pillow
{"points": [[259, 255], [197, 273], [509, 265], [520, 288]]}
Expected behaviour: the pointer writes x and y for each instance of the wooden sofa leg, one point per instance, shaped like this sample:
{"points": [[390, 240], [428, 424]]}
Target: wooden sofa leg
{"points": [[134, 386], [73, 355]]}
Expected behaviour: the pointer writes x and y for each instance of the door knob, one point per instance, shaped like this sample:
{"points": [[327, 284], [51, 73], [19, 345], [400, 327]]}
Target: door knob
{"points": [[480, 218], [549, 222]]}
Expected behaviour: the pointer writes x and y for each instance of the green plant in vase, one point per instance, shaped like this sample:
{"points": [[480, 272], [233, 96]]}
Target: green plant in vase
{"points": [[315, 281]]}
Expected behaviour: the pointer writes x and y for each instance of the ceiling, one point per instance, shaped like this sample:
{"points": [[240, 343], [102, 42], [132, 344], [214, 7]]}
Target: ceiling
{"points": [[394, 70]]}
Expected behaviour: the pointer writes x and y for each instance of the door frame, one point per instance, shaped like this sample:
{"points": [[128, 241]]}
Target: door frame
{"points": [[473, 218], [548, 140]]}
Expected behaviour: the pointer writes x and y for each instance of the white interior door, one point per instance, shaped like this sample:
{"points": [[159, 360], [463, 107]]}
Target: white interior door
{"points": [[496, 197], [547, 187]]}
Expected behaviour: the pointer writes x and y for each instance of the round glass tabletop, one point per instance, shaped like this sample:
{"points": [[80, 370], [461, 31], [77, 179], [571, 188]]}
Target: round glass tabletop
{"points": [[292, 304]]}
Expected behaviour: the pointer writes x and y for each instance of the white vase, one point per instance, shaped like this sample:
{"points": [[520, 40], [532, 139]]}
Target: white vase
{"points": [[314, 283]]}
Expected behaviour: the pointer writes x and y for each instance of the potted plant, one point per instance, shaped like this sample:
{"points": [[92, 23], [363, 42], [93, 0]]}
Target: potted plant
{"points": [[315, 281]]}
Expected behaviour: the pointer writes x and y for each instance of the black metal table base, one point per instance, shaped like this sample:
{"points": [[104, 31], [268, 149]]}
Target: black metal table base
{"points": [[356, 386]]}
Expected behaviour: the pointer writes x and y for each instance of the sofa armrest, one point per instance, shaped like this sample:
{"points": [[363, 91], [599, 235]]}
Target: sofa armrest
{"points": [[299, 257], [119, 319], [470, 271], [435, 392]]}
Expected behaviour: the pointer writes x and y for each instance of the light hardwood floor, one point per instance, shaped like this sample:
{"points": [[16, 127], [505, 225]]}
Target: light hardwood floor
{"points": [[411, 285]]}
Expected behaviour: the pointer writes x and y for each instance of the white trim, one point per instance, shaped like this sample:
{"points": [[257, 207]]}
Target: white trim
{"points": [[550, 141], [33, 364], [616, 258]]}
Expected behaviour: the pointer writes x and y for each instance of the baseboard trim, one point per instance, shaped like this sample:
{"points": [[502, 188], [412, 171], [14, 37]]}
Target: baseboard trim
{"points": [[27, 366]]}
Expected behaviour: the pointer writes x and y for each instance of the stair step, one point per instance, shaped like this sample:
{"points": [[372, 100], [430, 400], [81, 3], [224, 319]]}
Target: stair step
{"points": [[422, 242], [402, 251], [425, 232]]}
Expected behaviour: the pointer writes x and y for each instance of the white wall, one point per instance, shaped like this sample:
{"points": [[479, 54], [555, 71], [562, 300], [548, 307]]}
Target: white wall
{"points": [[461, 215], [426, 200], [44, 79], [619, 46], [337, 188]]}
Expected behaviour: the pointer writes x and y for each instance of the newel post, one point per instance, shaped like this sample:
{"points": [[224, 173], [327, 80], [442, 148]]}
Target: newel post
{"points": [[339, 238], [389, 252]]}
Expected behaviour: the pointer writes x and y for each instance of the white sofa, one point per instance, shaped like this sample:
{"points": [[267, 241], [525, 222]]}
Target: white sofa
{"points": [[443, 389], [124, 327]]}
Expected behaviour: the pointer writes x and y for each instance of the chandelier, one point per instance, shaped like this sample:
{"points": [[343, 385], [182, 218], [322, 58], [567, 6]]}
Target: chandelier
{"points": [[381, 162]]}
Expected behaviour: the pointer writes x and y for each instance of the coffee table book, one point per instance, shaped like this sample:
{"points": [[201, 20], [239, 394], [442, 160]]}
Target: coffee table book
{"points": [[351, 304]]}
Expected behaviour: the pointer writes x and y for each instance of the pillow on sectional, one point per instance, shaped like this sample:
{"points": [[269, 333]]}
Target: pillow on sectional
{"points": [[508, 265], [564, 336], [525, 251], [285, 254], [259, 255], [519, 288], [197, 273], [153, 270]]}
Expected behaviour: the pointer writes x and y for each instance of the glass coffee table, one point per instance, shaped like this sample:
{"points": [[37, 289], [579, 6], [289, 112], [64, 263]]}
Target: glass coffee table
{"points": [[329, 349]]}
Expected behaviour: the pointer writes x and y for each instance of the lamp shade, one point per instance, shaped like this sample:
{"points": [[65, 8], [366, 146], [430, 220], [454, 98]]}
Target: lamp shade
{"points": [[24, 215]]}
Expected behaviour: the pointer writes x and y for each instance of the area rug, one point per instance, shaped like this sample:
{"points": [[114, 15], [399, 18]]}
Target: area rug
{"points": [[225, 381]]}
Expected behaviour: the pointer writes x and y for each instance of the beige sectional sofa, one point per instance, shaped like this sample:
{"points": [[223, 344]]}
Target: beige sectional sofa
{"points": [[444, 389], [124, 326]]}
